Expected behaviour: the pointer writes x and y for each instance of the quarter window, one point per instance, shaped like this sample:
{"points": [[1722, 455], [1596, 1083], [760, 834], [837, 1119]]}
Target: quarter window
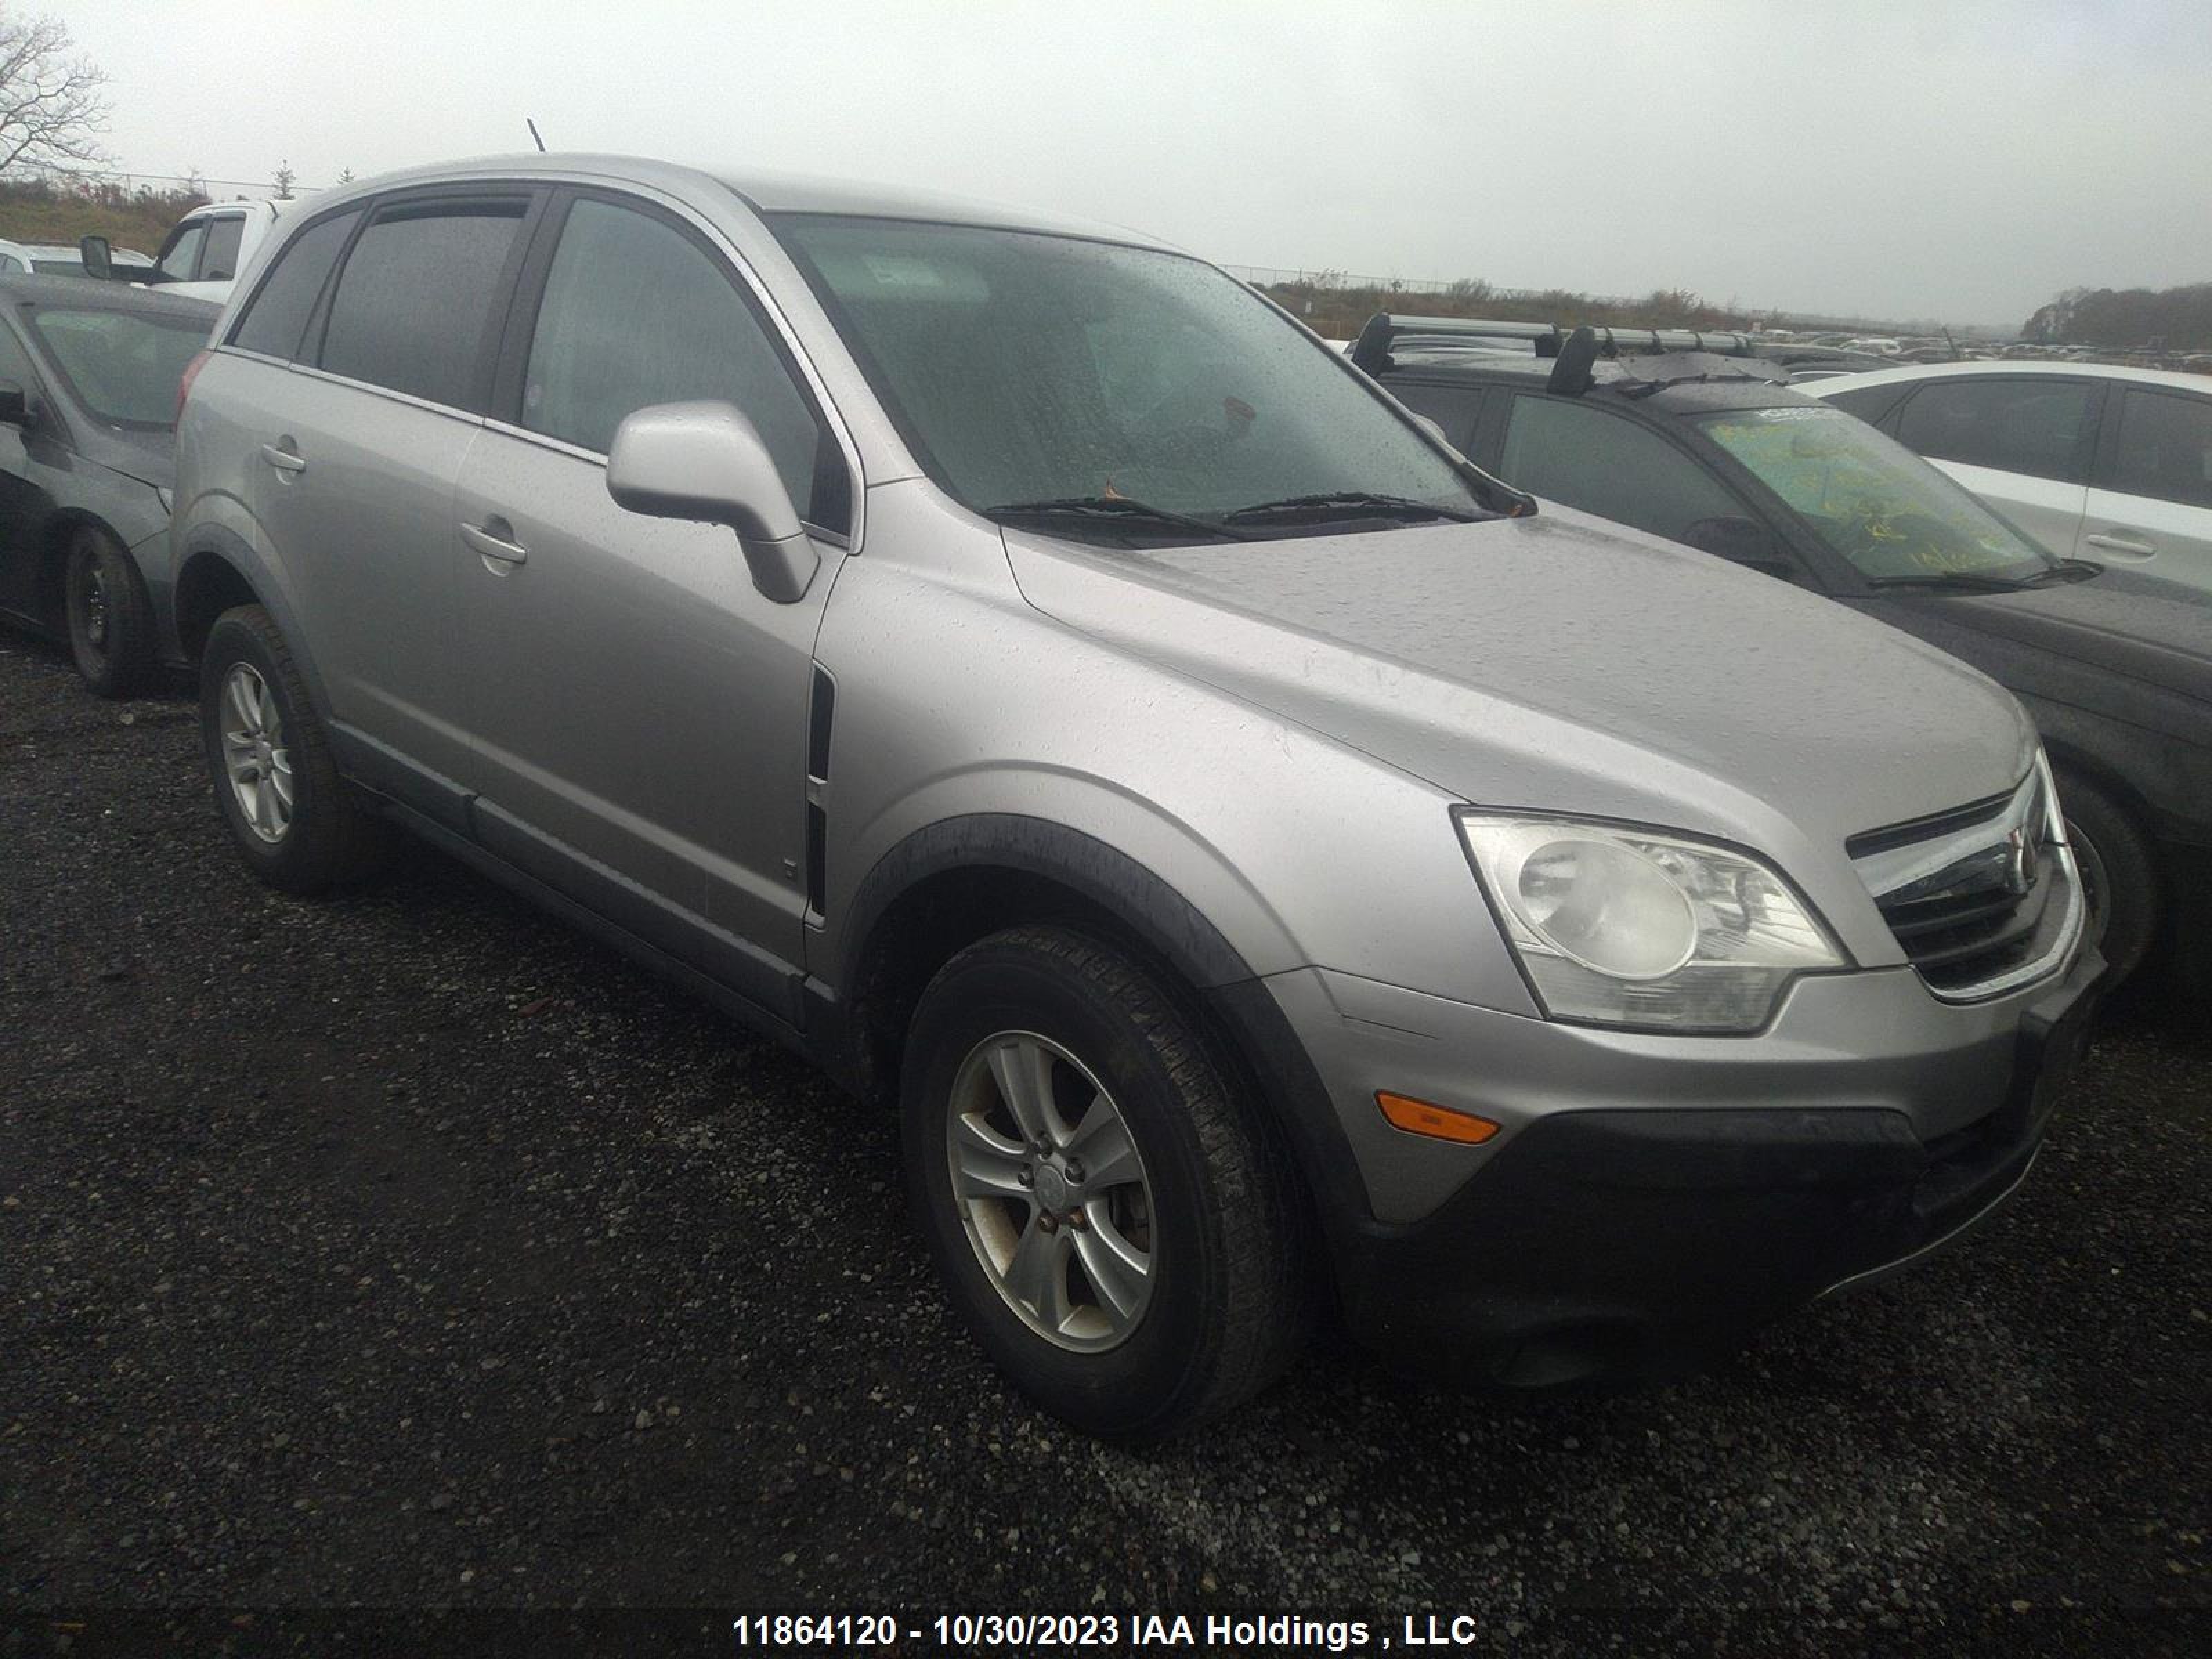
{"points": [[219, 258], [1606, 464], [180, 260], [15, 364], [637, 313], [416, 297], [2166, 447], [278, 315], [2023, 425], [1453, 408]]}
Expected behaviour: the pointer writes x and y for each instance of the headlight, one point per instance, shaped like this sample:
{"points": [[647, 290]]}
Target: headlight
{"points": [[1620, 925]]}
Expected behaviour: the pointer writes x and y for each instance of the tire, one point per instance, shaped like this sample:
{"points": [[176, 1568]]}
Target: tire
{"points": [[2120, 875], [109, 619], [1214, 1210], [296, 824]]}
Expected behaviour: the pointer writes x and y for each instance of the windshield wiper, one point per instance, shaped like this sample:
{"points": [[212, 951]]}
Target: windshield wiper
{"points": [[1114, 506], [1362, 504], [1964, 581], [2069, 570]]}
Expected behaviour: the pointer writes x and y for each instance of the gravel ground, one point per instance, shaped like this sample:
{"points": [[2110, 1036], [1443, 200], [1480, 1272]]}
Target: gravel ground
{"points": [[407, 1251]]}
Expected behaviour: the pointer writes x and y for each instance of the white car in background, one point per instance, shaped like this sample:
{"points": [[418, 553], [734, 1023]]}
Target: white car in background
{"points": [[206, 249], [58, 259], [2105, 464]]}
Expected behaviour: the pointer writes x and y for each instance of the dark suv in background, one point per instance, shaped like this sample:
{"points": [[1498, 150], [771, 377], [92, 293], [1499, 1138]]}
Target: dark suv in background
{"points": [[1692, 437]]}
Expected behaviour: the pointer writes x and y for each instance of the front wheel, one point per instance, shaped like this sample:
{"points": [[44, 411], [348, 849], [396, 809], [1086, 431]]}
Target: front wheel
{"points": [[2120, 875], [1114, 1224], [111, 621]]}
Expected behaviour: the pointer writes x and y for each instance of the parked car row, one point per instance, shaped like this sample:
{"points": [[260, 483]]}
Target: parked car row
{"points": [[1709, 450], [1267, 861]]}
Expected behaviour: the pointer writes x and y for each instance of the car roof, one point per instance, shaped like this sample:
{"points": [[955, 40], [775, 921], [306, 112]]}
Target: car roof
{"points": [[1732, 388], [81, 293], [2045, 369], [764, 191]]}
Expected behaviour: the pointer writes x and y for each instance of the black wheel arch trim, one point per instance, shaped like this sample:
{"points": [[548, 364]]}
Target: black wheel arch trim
{"points": [[1232, 996], [221, 543]]}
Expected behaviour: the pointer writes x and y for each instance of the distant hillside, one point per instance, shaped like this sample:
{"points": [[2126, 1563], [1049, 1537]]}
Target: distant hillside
{"points": [[1335, 305], [1337, 311], [34, 210]]}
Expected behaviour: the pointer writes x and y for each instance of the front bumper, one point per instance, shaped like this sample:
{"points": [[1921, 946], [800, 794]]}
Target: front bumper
{"points": [[1626, 1236]]}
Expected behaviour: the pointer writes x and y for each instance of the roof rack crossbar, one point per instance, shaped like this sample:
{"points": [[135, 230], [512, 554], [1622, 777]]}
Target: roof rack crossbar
{"points": [[1386, 329]]}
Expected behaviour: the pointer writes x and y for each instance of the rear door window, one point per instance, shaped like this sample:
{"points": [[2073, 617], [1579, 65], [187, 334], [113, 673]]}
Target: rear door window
{"points": [[2034, 426], [276, 316], [1605, 463], [219, 256], [637, 313], [415, 302], [2165, 447]]}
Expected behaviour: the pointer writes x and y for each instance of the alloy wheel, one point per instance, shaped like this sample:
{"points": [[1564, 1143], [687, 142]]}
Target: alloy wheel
{"points": [[1047, 1180], [254, 756]]}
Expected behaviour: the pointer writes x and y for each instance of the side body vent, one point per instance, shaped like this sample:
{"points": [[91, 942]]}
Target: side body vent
{"points": [[822, 709]]}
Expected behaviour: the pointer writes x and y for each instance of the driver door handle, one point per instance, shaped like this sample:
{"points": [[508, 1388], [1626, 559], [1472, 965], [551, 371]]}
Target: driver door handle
{"points": [[2126, 547], [495, 539], [283, 460]]}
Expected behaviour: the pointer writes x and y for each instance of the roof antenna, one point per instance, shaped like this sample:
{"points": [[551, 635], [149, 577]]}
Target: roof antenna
{"points": [[534, 138], [1571, 373]]}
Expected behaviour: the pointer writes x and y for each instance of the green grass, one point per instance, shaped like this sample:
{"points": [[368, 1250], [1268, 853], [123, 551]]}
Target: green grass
{"points": [[35, 211]]}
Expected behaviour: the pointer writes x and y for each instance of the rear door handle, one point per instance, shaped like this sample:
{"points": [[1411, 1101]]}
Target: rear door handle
{"points": [[493, 539], [283, 460], [2123, 545]]}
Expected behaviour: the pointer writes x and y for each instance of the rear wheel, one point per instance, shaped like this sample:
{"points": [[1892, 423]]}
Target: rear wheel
{"points": [[111, 621], [1111, 1220], [275, 783], [2120, 875]]}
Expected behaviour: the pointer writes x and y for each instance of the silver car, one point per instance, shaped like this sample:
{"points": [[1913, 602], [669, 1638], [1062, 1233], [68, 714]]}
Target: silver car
{"points": [[1271, 867]]}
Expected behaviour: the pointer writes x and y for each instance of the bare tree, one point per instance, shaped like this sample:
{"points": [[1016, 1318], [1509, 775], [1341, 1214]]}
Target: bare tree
{"points": [[51, 107]]}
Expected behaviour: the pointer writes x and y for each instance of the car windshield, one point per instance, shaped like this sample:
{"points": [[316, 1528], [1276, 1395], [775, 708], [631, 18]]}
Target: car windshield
{"points": [[123, 365], [1028, 368], [1891, 514]]}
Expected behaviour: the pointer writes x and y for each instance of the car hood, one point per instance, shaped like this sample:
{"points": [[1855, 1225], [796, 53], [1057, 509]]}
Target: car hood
{"points": [[1560, 662], [2147, 629]]}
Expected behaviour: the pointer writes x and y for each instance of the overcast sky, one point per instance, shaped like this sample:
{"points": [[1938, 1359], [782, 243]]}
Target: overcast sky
{"points": [[1919, 159]]}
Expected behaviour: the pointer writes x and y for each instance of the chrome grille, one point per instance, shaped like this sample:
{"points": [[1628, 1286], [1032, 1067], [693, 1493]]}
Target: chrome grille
{"points": [[1982, 898]]}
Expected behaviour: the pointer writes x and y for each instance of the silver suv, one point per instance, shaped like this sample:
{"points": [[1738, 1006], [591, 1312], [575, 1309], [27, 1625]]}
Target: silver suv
{"points": [[1272, 866]]}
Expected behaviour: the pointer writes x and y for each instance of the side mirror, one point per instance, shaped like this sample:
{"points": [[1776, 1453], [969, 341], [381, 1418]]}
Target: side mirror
{"points": [[704, 462], [1740, 541], [14, 405], [99, 260]]}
